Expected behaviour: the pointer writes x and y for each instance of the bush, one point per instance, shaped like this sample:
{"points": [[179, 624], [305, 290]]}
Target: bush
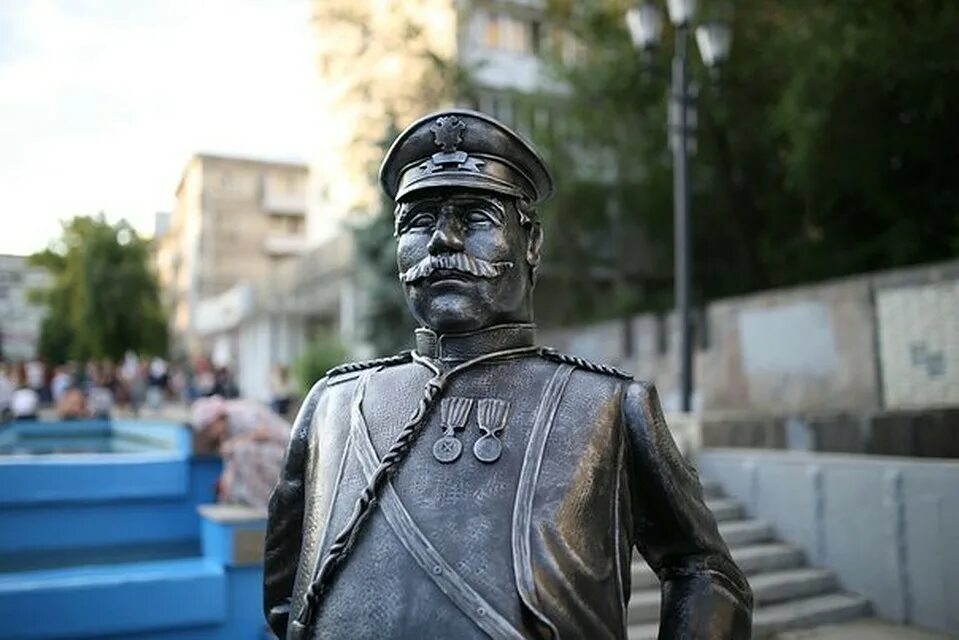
{"points": [[323, 353]]}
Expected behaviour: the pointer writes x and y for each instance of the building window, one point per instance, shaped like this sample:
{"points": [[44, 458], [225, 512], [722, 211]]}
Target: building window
{"points": [[509, 33], [491, 35], [536, 36]]}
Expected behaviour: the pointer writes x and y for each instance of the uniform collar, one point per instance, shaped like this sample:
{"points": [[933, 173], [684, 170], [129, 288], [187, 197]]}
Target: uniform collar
{"points": [[465, 346]]}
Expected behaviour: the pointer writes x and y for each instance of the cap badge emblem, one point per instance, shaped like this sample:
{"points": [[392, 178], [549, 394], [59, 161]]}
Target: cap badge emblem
{"points": [[448, 132], [448, 135]]}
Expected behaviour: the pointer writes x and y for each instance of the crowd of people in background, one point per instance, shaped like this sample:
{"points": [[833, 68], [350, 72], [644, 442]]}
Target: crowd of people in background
{"points": [[95, 389], [250, 436]]}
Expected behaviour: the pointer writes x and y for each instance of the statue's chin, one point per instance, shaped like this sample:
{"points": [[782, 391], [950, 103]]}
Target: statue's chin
{"points": [[453, 313], [459, 307]]}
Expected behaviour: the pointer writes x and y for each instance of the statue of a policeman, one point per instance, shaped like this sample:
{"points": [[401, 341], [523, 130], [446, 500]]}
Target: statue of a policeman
{"points": [[482, 486]]}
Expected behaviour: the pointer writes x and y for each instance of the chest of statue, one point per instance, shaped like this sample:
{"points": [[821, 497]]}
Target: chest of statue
{"points": [[440, 555]]}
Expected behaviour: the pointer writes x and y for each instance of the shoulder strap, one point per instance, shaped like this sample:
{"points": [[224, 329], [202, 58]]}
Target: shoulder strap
{"points": [[388, 361], [582, 363]]}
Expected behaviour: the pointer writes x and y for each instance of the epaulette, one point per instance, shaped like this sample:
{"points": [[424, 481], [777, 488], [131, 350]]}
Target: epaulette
{"points": [[583, 363], [388, 361]]}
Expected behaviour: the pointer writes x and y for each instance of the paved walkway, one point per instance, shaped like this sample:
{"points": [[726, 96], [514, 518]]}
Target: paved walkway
{"points": [[865, 629]]}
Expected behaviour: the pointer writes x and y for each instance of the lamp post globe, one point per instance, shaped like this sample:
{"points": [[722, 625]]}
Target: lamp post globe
{"points": [[645, 23], [681, 11], [714, 40]]}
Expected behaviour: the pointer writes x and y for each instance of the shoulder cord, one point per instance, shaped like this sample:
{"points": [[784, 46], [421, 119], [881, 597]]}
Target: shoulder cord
{"points": [[582, 363], [343, 543], [350, 367]]}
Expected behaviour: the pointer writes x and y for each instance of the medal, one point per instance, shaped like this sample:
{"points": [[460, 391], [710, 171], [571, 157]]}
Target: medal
{"points": [[453, 415], [491, 418]]}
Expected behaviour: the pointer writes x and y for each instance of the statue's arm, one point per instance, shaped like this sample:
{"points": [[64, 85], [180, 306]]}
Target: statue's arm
{"points": [[284, 529], [705, 595]]}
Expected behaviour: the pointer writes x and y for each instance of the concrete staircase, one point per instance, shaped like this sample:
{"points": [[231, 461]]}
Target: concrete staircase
{"points": [[788, 593]]}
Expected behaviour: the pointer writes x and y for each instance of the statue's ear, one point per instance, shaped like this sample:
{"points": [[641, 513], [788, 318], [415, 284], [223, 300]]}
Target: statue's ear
{"points": [[534, 244]]}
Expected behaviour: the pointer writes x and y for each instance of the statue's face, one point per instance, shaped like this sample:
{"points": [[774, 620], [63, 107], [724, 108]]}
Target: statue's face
{"points": [[464, 260]]}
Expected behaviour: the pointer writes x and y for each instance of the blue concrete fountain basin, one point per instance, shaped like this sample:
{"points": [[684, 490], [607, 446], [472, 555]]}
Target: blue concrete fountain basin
{"points": [[100, 537]]}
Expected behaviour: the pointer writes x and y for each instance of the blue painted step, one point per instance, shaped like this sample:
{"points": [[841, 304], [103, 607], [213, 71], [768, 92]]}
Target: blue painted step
{"points": [[104, 510], [116, 599]]}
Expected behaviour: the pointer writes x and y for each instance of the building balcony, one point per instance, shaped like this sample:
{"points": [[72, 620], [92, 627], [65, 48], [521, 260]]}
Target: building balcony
{"points": [[275, 201], [284, 244]]}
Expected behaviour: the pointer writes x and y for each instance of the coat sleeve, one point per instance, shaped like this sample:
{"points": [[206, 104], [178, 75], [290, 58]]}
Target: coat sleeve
{"points": [[284, 529], [704, 594]]}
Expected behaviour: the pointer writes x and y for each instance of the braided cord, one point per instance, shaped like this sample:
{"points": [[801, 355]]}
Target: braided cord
{"points": [[582, 363], [343, 543], [350, 367]]}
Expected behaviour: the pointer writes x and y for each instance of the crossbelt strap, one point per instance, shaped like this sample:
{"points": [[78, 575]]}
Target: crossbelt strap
{"points": [[526, 490], [424, 553]]}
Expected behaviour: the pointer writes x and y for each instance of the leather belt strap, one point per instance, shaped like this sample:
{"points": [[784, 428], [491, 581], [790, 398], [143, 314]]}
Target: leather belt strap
{"points": [[423, 552], [526, 489]]}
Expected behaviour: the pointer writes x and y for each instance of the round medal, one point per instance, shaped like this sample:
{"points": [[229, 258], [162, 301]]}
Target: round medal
{"points": [[447, 449], [488, 449]]}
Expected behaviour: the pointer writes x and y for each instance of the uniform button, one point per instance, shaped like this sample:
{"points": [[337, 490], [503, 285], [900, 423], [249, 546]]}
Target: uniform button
{"points": [[437, 569], [481, 612]]}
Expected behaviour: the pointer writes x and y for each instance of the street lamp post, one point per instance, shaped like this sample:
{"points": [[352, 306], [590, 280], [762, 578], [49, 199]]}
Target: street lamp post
{"points": [[645, 24]]}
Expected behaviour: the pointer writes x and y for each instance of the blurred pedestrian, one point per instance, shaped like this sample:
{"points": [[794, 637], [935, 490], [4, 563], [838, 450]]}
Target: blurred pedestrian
{"points": [[156, 383], [100, 397], [252, 440], [35, 376], [281, 390], [72, 404], [225, 385], [6, 391], [62, 380], [24, 401], [138, 386], [204, 381]]}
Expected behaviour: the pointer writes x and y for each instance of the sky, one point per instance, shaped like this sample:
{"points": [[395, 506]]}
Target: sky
{"points": [[102, 102]]}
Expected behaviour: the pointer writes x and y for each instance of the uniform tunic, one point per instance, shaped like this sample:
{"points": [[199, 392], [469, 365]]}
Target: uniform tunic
{"points": [[540, 538]]}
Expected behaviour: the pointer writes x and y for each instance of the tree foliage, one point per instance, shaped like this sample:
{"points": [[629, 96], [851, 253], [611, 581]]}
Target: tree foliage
{"points": [[103, 300], [323, 352], [824, 147]]}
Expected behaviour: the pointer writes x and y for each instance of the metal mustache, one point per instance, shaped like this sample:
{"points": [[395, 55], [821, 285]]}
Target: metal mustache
{"points": [[460, 262]]}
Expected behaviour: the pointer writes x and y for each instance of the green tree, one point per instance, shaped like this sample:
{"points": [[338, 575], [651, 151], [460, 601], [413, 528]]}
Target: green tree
{"points": [[103, 300], [322, 353], [821, 150]]}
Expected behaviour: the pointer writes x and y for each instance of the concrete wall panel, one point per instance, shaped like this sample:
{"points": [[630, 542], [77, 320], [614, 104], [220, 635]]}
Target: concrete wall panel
{"points": [[853, 344], [858, 532], [919, 344]]}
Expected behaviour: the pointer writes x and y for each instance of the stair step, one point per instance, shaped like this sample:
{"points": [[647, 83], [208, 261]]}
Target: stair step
{"points": [[739, 533], [778, 586], [808, 612], [766, 556], [725, 509], [192, 593], [767, 588]]}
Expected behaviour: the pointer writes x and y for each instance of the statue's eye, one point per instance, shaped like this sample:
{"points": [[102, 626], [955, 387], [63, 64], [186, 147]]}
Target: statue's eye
{"points": [[479, 218], [422, 220]]}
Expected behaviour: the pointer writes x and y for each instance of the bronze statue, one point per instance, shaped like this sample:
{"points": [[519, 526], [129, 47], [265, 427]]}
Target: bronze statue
{"points": [[482, 486]]}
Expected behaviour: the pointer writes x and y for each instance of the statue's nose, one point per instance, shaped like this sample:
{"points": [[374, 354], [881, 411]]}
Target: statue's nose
{"points": [[446, 238]]}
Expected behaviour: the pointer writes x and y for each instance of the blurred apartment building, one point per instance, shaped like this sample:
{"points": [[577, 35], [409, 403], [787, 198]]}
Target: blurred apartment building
{"points": [[379, 66], [20, 319], [236, 220]]}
